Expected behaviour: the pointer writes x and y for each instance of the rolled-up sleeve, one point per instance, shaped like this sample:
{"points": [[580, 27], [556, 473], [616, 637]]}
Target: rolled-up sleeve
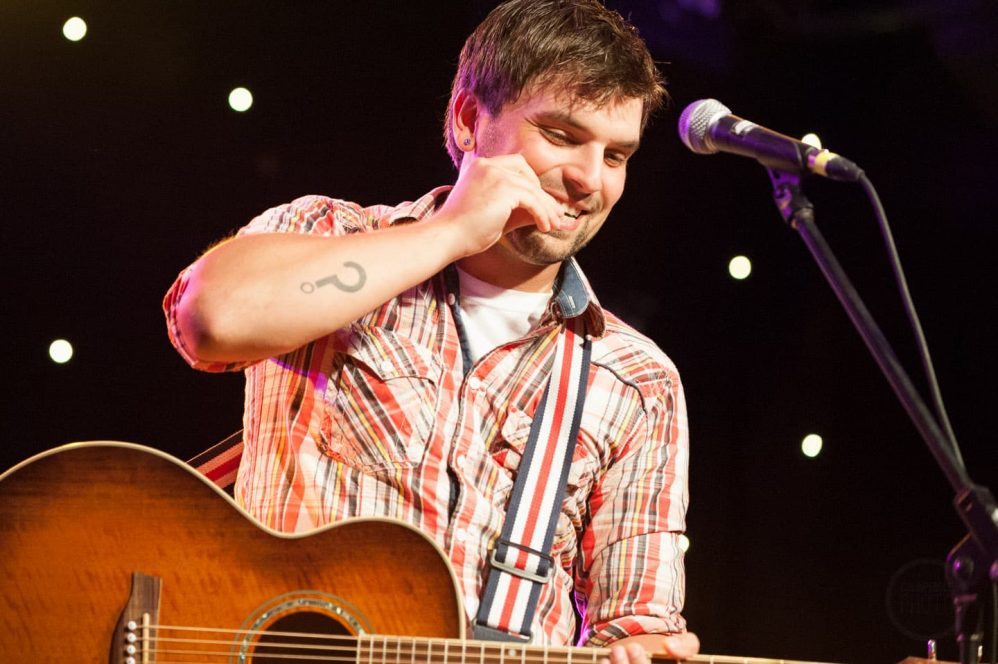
{"points": [[311, 215], [633, 578]]}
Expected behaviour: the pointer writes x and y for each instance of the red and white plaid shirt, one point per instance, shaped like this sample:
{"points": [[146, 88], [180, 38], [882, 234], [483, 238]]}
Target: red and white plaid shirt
{"points": [[380, 419]]}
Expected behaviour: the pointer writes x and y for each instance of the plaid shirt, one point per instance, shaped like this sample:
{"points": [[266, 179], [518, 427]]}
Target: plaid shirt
{"points": [[381, 418]]}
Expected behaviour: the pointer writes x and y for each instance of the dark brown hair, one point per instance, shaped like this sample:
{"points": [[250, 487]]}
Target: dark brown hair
{"points": [[577, 46]]}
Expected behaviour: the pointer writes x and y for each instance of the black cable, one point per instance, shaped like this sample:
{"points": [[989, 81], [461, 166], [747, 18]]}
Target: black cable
{"points": [[921, 346], [994, 622]]}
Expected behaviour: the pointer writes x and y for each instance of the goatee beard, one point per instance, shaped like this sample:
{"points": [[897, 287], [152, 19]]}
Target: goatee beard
{"points": [[538, 248]]}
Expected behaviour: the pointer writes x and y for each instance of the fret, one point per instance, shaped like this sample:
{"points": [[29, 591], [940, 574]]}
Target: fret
{"points": [[374, 649]]}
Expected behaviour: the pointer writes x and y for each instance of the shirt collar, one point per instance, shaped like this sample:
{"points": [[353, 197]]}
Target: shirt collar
{"points": [[421, 207], [575, 297]]}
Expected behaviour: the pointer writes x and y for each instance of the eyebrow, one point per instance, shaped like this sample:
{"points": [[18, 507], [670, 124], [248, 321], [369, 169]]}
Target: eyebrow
{"points": [[566, 118]]}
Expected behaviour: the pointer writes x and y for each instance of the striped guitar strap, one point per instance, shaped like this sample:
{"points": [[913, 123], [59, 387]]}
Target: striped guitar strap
{"points": [[521, 562]]}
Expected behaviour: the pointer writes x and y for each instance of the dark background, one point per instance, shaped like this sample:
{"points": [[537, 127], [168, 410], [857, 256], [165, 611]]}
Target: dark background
{"points": [[120, 162]]}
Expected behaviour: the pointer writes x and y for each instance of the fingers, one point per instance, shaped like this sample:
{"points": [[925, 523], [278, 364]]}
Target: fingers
{"points": [[632, 654], [495, 195], [543, 209], [675, 646], [681, 646], [540, 208]]}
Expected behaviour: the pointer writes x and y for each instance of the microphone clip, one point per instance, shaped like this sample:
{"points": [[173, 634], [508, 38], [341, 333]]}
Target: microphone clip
{"points": [[790, 200]]}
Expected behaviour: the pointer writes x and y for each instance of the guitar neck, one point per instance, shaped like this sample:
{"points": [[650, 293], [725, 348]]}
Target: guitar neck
{"points": [[376, 649]]}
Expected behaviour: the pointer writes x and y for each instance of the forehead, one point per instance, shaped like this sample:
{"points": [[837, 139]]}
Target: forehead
{"points": [[622, 115]]}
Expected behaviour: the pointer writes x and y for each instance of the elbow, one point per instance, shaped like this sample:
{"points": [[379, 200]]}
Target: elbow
{"points": [[206, 323], [200, 329]]}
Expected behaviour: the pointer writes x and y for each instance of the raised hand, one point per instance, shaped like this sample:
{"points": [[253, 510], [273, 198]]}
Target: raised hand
{"points": [[495, 195]]}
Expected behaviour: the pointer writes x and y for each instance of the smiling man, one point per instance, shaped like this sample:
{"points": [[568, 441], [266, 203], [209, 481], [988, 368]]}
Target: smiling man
{"points": [[396, 356]]}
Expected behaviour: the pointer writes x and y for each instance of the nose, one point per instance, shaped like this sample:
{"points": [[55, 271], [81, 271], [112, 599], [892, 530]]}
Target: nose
{"points": [[584, 173]]}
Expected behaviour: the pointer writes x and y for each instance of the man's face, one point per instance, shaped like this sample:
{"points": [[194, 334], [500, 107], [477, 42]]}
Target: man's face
{"points": [[578, 151]]}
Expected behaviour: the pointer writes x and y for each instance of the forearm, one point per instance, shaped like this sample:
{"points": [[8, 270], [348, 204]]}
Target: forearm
{"points": [[634, 531], [258, 296]]}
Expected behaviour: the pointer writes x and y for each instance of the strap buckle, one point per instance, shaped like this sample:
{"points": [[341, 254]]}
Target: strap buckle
{"points": [[483, 632], [522, 573]]}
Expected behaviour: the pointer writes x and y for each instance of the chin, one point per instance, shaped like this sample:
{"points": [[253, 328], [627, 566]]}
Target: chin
{"points": [[537, 248]]}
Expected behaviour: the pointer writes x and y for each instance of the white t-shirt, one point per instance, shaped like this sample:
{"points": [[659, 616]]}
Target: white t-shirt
{"points": [[494, 316]]}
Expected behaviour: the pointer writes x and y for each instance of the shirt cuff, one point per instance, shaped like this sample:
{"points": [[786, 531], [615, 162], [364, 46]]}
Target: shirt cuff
{"points": [[620, 628]]}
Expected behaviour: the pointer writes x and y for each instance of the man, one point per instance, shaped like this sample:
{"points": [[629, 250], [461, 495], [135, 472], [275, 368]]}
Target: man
{"points": [[395, 356]]}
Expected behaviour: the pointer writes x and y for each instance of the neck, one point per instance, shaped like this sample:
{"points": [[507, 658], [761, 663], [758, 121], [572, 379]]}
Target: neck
{"points": [[491, 268]]}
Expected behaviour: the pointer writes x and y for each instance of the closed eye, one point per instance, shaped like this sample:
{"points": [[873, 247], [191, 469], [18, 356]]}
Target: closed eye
{"points": [[616, 158], [558, 137]]}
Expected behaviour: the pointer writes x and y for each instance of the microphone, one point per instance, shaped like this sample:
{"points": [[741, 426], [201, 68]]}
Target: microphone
{"points": [[707, 126]]}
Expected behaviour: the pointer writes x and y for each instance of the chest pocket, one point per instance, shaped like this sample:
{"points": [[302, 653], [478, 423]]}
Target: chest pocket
{"points": [[380, 408], [509, 452]]}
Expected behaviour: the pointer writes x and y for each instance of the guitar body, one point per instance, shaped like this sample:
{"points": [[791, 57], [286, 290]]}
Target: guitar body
{"points": [[77, 522]]}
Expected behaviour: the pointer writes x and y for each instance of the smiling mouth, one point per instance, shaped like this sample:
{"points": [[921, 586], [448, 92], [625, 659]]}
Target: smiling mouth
{"points": [[573, 216]]}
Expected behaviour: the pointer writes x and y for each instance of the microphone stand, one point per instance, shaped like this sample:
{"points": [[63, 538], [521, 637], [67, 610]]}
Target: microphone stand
{"points": [[973, 562]]}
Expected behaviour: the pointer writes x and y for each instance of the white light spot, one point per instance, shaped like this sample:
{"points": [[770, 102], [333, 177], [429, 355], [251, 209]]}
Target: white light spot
{"points": [[74, 29], [240, 99], [61, 351], [811, 445], [740, 267], [684, 543], [812, 140]]}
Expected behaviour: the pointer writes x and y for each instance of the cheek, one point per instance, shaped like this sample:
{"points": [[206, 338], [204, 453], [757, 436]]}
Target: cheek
{"points": [[542, 163], [613, 186]]}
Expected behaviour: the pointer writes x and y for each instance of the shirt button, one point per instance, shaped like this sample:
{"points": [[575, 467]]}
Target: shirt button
{"points": [[462, 461], [414, 452], [451, 299], [461, 534], [386, 366], [474, 383]]}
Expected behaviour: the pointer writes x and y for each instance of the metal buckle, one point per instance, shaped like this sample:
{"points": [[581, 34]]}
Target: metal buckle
{"points": [[483, 632], [516, 571]]}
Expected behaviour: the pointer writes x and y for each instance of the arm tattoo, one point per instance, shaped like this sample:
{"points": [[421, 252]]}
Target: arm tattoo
{"points": [[361, 279]]}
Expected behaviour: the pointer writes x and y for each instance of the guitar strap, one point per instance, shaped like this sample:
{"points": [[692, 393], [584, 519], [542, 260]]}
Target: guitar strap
{"points": [[220, 462], [521, 561]]}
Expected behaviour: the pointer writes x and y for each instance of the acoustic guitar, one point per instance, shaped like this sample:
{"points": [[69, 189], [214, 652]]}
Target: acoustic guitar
{"points": [[113, 552]]}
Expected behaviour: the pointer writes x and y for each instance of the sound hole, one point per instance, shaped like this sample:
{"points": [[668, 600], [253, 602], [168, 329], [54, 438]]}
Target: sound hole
{"points": [[310, 635]]}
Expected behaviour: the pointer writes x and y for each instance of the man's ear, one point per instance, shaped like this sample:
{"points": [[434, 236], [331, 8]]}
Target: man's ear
{"points": [[464, 119]]}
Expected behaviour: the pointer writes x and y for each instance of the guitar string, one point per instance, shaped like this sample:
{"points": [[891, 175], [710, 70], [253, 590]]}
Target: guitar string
{"points": [[370, 652], [375, 648], [369, 657]]}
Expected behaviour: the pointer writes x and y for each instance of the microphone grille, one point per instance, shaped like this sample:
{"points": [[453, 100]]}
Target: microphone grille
{"points": [[696, 120]]}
